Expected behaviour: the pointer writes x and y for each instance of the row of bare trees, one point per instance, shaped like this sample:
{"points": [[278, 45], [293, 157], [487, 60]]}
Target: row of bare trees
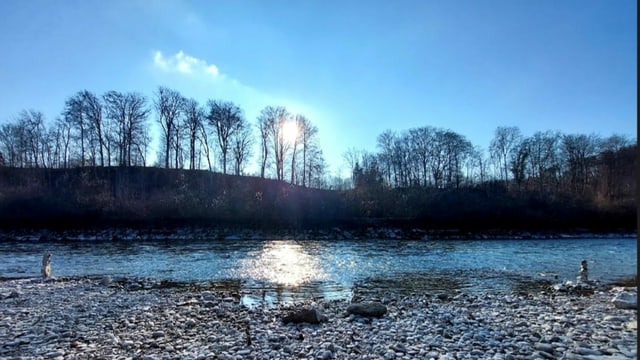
{"points": [[301, 153], [221, 124], [582, 165], [424, 156], [114, 129], [91, 131], [217, 127]]}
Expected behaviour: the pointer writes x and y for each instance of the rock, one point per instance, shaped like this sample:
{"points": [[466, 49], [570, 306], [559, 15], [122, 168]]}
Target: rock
{"points": [[325, 355], [389, 355], [587, 351], [399, 348], [134, 287], [54, 354], [631, 325], [560, 287], [305, 315], [367, 309], [626, 300], [613, 318]]}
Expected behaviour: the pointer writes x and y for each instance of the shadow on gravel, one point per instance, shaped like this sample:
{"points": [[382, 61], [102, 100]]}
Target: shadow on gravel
{"points": [[411, 283], [436, 282]]}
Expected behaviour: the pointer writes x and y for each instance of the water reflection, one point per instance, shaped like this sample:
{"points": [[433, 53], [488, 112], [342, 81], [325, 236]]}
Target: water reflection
{"points": [[283, 263], [280, 271]]}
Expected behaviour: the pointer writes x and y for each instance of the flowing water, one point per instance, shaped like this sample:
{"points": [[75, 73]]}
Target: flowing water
{"points": [[287, 269]]}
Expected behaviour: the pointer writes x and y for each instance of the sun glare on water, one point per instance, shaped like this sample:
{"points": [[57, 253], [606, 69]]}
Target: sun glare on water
{"points": [[285, 263]]}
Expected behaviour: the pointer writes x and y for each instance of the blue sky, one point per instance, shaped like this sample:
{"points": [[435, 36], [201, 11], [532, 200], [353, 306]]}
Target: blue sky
{"points": [[355, 68]]}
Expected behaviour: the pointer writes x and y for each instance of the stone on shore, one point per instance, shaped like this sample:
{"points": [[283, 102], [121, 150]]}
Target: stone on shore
{"points": [[367, 309], [626, 300], [304, 315]]}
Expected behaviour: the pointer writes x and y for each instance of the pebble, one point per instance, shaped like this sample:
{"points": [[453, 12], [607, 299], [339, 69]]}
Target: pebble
{"points": [[57, 320]]}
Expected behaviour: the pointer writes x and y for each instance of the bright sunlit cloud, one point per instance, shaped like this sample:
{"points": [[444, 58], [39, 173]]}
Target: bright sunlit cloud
{"points": [[183, 63]]}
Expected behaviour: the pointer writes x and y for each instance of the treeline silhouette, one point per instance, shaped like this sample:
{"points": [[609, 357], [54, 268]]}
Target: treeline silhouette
{"points": [[114, 130], [90, 167], [151, 197], [584, 167]]}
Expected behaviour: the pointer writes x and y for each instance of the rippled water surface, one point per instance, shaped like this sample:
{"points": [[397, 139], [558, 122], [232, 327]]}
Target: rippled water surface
{"points": [[330, 269]]}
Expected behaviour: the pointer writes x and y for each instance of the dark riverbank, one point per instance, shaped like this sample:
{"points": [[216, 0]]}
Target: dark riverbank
{"points": [[214, 233], [151, 198]]}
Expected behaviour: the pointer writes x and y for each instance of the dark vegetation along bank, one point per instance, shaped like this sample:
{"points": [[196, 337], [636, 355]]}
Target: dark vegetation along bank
{"points": [[93, 197]]}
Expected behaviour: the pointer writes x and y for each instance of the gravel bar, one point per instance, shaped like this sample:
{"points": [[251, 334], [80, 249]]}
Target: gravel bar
{"points": [[85, 318]]}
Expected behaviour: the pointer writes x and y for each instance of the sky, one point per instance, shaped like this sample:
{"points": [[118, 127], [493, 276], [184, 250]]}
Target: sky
{"points": [[354, 68]]}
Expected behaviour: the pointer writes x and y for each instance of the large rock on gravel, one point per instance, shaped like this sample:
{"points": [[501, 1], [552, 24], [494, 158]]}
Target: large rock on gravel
{"points": [[626, 300], [304, 315], [367, 309]]}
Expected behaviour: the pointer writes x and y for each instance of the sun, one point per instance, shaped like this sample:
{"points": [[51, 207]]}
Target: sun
{"points": [[290, 131]]}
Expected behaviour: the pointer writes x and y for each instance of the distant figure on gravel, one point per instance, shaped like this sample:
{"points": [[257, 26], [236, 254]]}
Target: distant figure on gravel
{"points": [[584, 272], [46, 265]]}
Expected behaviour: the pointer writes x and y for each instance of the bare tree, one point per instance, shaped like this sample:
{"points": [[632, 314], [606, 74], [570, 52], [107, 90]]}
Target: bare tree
{"points": [[241, 142], [32, 123], [615, 164], [505, 140], [316, 167], [420, 142], [543, 159], [297, 121], [12, 140], [308, 138], [263, 124], [92, 113], [226, 120], [400, 161], [385, 145], [74, 115], [129, 112], [59, 138], [204, 141], [194, 118], [270, 122], [352, 157], [457, 149], [520, 162], [579, 154], [169, 104], [479, 164], [438, 158]]}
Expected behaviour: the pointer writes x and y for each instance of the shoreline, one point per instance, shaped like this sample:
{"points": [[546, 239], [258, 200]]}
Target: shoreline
{"points": [[86, 318], [183, 233]]}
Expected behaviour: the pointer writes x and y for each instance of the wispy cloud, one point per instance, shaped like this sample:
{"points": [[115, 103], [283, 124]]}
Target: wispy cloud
{"points": [[183, 63]]}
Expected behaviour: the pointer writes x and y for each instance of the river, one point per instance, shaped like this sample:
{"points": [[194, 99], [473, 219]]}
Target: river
{"points": [[287, 269]]}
